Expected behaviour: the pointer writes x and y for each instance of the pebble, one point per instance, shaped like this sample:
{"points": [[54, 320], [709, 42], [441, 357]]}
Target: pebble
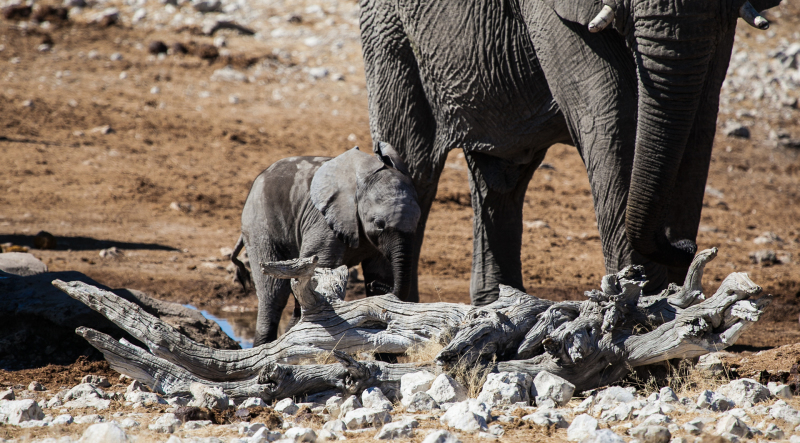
{"points": [[547, 386], [35, 386]]}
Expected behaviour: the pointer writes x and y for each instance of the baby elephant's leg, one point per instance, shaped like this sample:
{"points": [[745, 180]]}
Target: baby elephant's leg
{"points": [[377, 276]]}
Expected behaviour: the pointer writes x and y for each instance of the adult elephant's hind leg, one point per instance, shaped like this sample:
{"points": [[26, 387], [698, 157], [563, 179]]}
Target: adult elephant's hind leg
{"points": [[498, 192]]}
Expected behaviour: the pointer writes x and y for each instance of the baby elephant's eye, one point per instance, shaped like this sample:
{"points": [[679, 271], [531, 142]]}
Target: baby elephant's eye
{"points": [[380, 223]]}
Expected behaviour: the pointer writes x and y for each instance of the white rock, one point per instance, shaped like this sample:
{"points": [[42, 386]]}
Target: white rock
{"points": [[299, 434], [667, 395], [264, 435], [287, 406], [711, 363], [145, 398], [548, 386], [335, 426], [780, 410], [350, 404], [166, 424], [445, 389], [656, 419], [582, 426], [248, 429], [318, 73], [15, 412], [325, 434], [420, 402], [8, 394], [104, 433], [22, 264], [773, 432], [88, 402], [467, 416], [441, 436], [136, 386], [374, 398], [84, 390], [35, 386], [253, 402], [97, 380], [196, 424], [63, 419], [619, 413], [745, 392], [714, 401], [129, 423], [89, 419], [547, 418], [401, 429], [794, 439], [506, 388], [615, 394], [603, 436], [779, 390], [365, 417], [228, 74], [415, 382], [333, 405], [211, 397], [732, 425], [651, 434]]}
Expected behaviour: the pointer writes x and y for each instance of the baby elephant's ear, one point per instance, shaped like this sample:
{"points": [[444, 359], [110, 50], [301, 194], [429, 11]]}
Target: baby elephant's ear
{"points": [[334, 190], [390, 157]]}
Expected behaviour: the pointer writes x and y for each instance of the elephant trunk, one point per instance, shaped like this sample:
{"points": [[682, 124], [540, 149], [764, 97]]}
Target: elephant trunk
{"points": [[398, 248], [671, 80]]}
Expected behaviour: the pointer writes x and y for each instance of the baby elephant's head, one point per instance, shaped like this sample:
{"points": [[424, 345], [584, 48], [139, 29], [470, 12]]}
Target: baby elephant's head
{"points": [[372, 197]]}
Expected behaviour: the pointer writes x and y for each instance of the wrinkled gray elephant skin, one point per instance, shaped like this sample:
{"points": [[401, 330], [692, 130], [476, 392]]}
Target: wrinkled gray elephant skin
{"points": [[353, 209], [633, 84]]}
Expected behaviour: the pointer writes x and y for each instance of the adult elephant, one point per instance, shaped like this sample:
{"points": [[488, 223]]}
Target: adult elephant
{"points": [[633, 84]]}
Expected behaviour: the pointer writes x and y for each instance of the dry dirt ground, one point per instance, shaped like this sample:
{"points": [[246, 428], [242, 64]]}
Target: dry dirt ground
{"points": [[166, 181]]}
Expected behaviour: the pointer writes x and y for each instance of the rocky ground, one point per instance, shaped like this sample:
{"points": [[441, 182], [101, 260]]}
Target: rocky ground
{"points": [[508, 406], [131, 132]]}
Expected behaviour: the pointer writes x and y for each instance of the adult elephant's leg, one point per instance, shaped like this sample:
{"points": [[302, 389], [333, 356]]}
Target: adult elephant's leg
{"points": [[593, 79], [498, 193], [683, 220], [399, 113]]}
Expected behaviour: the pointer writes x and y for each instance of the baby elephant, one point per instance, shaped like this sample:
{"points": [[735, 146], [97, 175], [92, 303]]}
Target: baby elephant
{"points": [[351, 209]]}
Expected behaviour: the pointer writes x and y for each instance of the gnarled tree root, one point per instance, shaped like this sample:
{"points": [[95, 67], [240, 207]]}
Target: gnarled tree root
{"points": [[590, 343]]}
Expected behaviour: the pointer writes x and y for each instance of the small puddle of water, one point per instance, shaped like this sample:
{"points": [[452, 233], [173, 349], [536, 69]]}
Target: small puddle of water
{"points": [[239, 326]]}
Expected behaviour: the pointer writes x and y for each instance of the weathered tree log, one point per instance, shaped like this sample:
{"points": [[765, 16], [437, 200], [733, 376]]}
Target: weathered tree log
{"points": [[590, 343]]}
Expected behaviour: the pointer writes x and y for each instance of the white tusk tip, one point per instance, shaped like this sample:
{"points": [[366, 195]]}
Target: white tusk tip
{"points": [[761, 23]]}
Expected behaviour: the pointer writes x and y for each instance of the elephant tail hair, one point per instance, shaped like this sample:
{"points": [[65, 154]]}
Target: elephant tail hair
{"points": [[242, 274]]}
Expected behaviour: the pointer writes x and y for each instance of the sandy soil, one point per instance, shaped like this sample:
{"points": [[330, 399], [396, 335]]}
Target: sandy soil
{"points": [[166, 184]]}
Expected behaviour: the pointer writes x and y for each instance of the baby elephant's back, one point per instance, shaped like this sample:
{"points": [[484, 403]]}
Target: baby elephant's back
{"points": [[281, 192]]}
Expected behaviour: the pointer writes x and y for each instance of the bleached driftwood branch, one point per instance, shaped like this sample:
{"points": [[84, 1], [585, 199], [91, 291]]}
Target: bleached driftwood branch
{"points": [[589, 343]]}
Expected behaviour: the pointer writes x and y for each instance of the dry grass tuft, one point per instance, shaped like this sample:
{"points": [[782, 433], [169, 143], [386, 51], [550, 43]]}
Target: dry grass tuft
{"points": [[422, 353]]}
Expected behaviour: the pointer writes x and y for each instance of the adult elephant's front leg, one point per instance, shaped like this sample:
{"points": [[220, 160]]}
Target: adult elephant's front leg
{"points": [[498, 192], [399, 112]]}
